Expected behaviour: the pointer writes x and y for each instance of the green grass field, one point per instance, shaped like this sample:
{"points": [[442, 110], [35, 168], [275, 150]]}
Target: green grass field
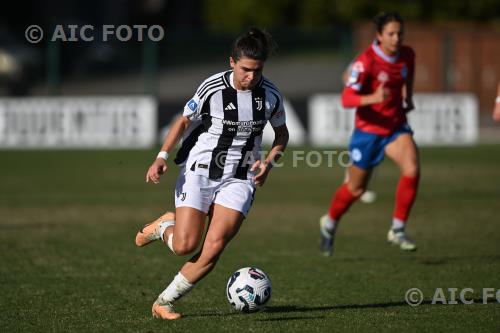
{"points": [[68, 261]]}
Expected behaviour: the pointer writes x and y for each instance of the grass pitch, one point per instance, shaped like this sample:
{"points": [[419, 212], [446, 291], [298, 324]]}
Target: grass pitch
{"points": [[68, 261]]}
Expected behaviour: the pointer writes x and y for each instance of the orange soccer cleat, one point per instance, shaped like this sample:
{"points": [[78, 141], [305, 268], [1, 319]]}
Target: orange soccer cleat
{"points": [[165, 311], [151, 231]]}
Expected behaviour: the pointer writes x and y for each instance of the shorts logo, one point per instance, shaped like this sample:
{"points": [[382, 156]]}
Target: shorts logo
{"points": [[192, 105], [180, 194], [356, 155]]}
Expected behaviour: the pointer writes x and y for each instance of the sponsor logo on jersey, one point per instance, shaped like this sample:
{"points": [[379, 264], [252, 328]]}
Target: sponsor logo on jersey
{"points": [[230, 106], [243, 122], [383, 76], [358, 67], [258, 101], [192, 105]]}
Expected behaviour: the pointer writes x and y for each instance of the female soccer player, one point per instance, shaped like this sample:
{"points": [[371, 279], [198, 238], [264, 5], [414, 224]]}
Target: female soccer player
{"points": [[222, 128], [496, 108], [380, 86]]}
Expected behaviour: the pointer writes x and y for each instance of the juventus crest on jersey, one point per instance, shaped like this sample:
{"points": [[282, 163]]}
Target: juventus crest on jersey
{"points": [[225, 135]]}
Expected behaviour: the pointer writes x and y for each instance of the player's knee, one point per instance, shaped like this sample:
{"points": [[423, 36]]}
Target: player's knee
{"points": [[412, 171], [356, 189], [183, 246]]}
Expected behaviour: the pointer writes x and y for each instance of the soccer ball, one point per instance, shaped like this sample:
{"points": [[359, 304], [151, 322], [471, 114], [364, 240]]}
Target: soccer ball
{"points": [[248, 289]]}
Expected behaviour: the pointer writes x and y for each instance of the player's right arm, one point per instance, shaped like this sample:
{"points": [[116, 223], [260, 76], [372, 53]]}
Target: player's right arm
{"points": [[192, 111], [496, 108], [351, 95], [159, 166]]}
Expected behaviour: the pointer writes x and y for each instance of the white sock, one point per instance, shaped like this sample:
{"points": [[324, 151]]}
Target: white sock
{"points": [[330, 224], [164, 225], [179, 287], [397, 224], [170, 242]]}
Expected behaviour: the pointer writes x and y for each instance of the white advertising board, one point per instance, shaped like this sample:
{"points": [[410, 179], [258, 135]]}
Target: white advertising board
{"points": [[438, 119], [78, 122]]}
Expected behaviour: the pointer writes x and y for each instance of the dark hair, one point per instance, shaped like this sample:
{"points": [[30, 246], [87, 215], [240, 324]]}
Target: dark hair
{"points": [[383, 18], [255, 44]]}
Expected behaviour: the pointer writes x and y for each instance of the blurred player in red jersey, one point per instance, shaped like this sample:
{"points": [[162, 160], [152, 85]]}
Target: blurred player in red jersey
{"points": [[380, 87], [496, 108]]}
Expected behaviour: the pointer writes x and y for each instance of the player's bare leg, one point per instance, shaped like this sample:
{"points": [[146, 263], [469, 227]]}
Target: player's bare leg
{"points": [[224, 224], [403, 151], [182, 238], [346, 194], [186, 235], [367, 196]]}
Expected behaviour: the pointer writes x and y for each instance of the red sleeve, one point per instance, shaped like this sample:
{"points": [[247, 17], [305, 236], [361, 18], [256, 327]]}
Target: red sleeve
{"points": [[351, 96]]}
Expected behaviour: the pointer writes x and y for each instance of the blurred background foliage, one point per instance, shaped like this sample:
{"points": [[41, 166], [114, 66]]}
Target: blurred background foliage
{"points": [[232, 16]]}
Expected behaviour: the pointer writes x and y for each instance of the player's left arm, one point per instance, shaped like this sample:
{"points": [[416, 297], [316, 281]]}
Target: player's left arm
{"points": [[279, 145], [278, 122], [408, 87]]}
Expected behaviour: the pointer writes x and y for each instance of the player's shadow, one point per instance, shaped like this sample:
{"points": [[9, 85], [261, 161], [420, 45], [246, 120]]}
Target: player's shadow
{"points": [[294, 308], [283, 309], [428, 261], [292, 318]]}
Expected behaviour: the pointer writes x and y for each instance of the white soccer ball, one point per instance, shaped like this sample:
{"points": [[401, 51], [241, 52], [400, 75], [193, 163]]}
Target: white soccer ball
{"points": [[248, 289], [368, 197]]}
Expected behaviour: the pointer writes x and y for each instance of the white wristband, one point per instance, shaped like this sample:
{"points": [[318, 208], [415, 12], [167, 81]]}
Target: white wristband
{"points": [[497, 100], [162, 154]]}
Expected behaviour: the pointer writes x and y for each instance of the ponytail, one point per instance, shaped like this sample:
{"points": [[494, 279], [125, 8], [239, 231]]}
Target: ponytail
{"points": [[255, 44]]}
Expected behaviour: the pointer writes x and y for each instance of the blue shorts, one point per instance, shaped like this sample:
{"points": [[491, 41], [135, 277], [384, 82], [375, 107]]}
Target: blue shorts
{"points": [[367, 149]]}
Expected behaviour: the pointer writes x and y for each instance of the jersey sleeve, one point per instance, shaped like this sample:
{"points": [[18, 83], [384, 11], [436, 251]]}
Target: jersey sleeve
{"points": [[192, 109], [358, 72], [278, 116]]}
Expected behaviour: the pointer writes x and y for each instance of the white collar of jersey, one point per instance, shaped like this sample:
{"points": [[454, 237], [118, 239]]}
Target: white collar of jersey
{"points": [[231, 82], [382, 55]]}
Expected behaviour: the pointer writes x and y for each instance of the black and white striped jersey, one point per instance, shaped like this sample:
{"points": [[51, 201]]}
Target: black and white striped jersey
{"points": [[225, 136]]}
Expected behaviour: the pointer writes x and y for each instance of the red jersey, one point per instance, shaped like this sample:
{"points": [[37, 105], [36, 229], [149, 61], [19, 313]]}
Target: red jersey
{"points": [[370, 69]]}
